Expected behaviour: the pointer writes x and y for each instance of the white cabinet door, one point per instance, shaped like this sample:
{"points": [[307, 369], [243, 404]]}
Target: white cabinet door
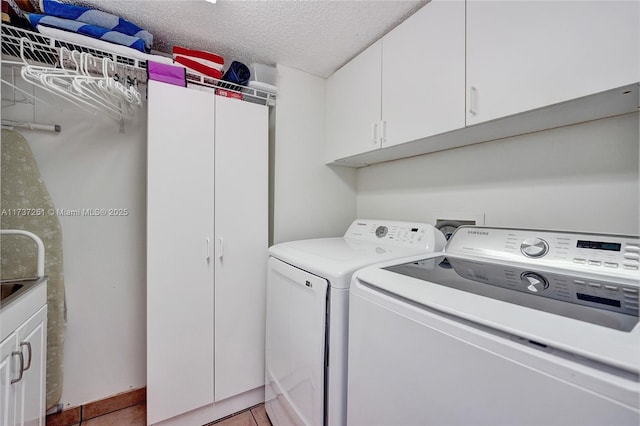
{"points": [[241, 232], [9, 370], [353, 106], [180, 266], [32, 342], [423, 74], [523, 55]]}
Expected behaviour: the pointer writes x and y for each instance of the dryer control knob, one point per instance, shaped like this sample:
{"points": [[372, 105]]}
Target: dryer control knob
{"points": [[534, 247], [535, 283], [381, 231]]}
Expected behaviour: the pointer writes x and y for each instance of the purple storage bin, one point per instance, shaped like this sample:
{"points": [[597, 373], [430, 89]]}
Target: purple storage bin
{"points": [[167, 73]]}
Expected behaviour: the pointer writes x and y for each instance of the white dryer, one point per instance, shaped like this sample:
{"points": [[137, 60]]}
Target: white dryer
{"points": [[307, 315]]}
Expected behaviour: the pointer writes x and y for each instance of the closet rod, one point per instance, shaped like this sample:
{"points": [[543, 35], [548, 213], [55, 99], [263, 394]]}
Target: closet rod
{"points": [[9, 124]]}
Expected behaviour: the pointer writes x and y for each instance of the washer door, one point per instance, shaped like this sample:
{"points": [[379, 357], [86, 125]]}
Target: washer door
{"points": [[295, 345]]}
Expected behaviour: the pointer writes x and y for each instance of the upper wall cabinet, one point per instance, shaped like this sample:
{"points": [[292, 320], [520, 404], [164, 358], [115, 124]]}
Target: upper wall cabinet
{"points": [[353, 105], [423, 74], [523, 55], [530, 66], [406, 86]]}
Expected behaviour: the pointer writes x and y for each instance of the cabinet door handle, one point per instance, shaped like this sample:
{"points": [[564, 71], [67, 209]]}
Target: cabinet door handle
{"points": [[383, 136], [220, 248], [21, 358], [208, 249], [473, 100], [28, 345], [374, 133]]}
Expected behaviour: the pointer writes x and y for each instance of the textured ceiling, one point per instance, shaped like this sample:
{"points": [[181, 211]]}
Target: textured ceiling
{"points": [[316, 36]]}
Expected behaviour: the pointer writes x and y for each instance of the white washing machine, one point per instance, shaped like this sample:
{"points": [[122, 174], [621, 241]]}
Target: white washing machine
{"points": [[307, 315], [508, 327]]}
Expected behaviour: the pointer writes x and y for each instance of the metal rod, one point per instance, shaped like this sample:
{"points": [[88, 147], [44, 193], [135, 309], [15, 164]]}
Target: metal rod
{"points": [[56, 128]]}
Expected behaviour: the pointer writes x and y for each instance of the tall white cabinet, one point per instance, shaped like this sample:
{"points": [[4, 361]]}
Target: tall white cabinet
{"points": [[206, 248]]}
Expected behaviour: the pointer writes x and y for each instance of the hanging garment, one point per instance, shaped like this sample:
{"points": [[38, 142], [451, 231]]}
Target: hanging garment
{"points": [[23, 188]]}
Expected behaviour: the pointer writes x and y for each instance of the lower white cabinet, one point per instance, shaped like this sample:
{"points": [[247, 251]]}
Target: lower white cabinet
{"points": [[8, 392], [207, 236], [23, 373]]}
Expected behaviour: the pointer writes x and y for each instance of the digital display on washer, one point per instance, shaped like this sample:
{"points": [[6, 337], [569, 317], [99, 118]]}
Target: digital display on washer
{"points": [[598, 245], [596, 299], [553, 292]]}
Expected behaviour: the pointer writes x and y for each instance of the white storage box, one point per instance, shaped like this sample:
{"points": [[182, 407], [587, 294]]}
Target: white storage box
{"points": [[263, 81], [263, 73]]}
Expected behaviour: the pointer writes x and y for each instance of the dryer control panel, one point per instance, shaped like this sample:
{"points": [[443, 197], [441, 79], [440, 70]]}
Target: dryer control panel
{"points": [[404, 234], [595, 253]]}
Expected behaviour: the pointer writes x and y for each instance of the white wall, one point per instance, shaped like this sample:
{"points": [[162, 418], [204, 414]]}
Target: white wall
{"points": [[90, 164], [310, 200], [582, 177]]}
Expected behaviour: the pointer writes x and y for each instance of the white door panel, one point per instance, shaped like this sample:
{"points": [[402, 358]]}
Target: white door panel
{"points": [[179, 277], [9, 366], [523, 55], [32, 340], [354, 106], [241, 233], [423, 73]]}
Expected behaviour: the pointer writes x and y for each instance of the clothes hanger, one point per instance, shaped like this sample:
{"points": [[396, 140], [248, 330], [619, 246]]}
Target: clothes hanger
{"points": [[35, 80], [74, 82], [60, 82]]}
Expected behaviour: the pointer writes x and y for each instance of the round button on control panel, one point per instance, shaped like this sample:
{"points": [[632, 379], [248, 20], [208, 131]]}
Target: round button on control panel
{"points": [[381, 231], [535, 283], [534, 247]]}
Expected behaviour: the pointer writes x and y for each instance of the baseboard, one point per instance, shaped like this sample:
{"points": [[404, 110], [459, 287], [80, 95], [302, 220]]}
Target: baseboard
{"points": [[90, 410]]}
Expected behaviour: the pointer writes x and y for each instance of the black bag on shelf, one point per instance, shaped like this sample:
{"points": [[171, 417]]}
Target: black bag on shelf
{"points": [[238, 74]]}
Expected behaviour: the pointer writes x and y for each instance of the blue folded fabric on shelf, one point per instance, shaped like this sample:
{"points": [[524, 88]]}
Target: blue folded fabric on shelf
{"points": [[96, 17], [237, 73], [88, 30]]}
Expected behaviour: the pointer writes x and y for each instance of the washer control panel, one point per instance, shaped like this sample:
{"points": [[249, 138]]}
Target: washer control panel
{"points": [[617, 295], [404, 234], [534, 247], [606, 254]]}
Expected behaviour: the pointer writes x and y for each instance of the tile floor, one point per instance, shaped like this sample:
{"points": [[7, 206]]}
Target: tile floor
{"points": [[255, 416], [137, 416]]}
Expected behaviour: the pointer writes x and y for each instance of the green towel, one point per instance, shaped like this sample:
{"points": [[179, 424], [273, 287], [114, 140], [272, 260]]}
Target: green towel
{"points": [[23, 188]]}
